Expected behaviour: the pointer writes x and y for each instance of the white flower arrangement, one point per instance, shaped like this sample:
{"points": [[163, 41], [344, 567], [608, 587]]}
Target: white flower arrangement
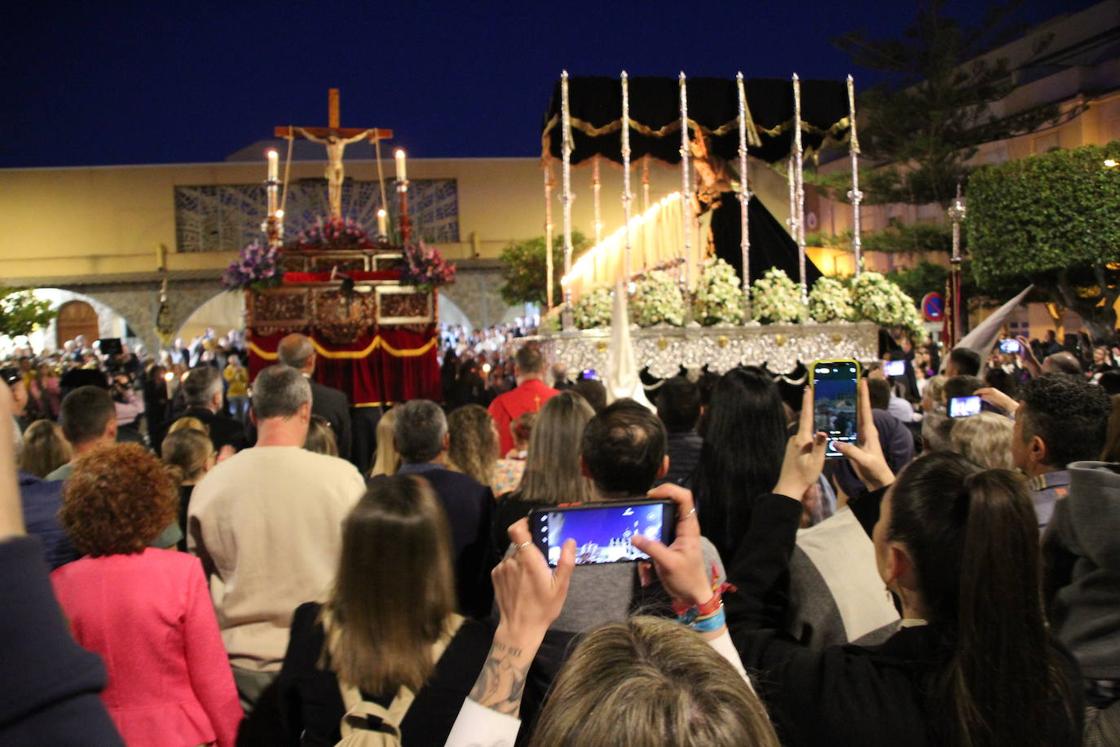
{"points": [[881, 301], [718, 298], [776, 299], [830, 301], [593, 309], [657, 300]]}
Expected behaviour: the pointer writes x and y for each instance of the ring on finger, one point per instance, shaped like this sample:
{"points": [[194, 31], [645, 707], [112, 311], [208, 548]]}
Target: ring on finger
{"points": [[689, 515], [523, 545]]}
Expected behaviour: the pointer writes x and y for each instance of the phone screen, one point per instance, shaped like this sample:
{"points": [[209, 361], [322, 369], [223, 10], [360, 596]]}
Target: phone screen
{"points": [[895, 368], [835, 401], [1009, 346], [964, 407], [602, 531]]}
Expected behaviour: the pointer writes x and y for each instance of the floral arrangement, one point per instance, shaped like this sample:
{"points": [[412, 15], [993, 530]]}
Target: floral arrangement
{"points": [[657, 300], [334, 233], [881, 301], [425, 267], [255, 267], [830, 301], [718, 298], [593, 309], [776, 299]]}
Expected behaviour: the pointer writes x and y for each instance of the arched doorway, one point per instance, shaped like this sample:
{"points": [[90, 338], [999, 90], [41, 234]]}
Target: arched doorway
{"points": [[76, 318]]}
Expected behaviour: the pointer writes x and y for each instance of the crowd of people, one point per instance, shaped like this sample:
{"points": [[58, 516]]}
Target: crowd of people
{"points": [[244, 564]]}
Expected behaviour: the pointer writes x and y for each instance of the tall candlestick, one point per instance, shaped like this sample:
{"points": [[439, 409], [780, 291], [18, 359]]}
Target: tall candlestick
{"points": [[548, 228], [744, 190], [628, 269], [382, 223], [566, 179], [800, 186], [686, 185], [402, 171], [854, 195]]}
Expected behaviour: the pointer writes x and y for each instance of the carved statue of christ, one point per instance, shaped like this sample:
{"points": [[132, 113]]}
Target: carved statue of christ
{"points": [[335, 146]]}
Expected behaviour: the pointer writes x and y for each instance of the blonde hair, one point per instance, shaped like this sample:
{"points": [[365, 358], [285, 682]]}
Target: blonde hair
{"points": [[935, 390], [44, 450], [186, 453], [320, 437], [552, 469], [386, 460], [984, 439], [473, 440], [395, 590], [189, 423], [649, 681]]}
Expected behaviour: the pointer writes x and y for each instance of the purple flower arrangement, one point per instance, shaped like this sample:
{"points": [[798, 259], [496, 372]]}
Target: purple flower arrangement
{"points": [[255, 267], [334, 233], [426, 267]]}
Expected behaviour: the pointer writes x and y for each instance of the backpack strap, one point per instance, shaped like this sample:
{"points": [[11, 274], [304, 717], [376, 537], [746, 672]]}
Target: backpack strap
{"points": [[359, 710]]}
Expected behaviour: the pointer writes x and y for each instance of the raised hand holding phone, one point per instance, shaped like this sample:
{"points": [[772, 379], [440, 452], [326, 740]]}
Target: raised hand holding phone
{"points": [[680, 565], [866, 456], [805, 453]]}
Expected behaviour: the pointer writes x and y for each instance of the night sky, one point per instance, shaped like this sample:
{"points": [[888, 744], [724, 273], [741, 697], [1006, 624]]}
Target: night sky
{"points": [[160, 82]]}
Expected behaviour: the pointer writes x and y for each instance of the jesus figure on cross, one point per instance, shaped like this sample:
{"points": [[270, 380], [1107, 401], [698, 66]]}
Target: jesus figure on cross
{"points": [[335, 146]]}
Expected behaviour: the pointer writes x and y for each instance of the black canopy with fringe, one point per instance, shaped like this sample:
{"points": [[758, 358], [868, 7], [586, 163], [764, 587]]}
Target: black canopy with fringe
{"points": [[713, 107]]}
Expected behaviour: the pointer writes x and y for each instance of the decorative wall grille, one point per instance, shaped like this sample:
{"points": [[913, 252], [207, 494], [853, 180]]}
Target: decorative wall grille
{"points": [[226, 217]]}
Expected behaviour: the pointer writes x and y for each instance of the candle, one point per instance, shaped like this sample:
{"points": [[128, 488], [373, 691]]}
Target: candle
{"points": [[402, 173], [382, 222], [161, 257], [273, 165]]}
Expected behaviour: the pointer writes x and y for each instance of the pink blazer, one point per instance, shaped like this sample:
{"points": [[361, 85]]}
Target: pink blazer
{"points": [[150, 618]]}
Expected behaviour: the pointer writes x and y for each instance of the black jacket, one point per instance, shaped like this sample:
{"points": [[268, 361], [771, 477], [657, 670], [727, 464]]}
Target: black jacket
{"points": [[843, 695], [311, 706], [52, 686], [224, 431], [333, 405]]}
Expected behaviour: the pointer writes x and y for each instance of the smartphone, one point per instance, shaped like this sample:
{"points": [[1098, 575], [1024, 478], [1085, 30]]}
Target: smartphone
{"points": [[964, 407], [602, 531], [894, 368], [835, 401], [1009, 346]]}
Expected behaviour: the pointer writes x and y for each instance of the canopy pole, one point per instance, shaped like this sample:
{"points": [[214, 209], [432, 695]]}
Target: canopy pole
{"points": [[566, 183], [628, 269], [800, 186], [548, 261], [686, 186], [744, 189], [855, 195]]}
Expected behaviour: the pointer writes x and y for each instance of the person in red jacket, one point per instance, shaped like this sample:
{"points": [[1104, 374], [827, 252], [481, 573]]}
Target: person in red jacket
{"points": [[531, 392]]}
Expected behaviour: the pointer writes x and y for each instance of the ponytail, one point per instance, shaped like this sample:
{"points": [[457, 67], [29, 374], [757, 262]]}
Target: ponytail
{"points": [[973, 536], [998, 680]]}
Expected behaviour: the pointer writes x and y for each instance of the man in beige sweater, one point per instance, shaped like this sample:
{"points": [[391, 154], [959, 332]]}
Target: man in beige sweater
{"points": [[267, 525]]}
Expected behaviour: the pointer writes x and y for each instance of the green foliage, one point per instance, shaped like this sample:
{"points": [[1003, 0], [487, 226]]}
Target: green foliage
{"points": [[1052, 218], [916, 237], [922, 278], [21, 313], [933, 108], [525, 271]]}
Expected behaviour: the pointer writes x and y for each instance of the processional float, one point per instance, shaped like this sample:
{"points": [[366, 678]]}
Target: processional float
{"points": [[372, 320], [702, 126]]}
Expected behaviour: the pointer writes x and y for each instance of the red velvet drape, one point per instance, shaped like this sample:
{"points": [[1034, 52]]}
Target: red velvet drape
{"points": [[393, 365]]}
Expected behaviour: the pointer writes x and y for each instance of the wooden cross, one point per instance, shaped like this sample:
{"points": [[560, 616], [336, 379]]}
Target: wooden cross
{"points": [[335, 138]]}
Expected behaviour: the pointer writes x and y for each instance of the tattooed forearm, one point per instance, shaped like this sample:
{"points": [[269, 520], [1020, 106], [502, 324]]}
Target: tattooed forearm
{"points": [[501, 682]]}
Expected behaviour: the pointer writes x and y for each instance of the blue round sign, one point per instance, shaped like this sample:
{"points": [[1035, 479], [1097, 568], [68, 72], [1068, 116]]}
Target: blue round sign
{"points": [[933, 307]]}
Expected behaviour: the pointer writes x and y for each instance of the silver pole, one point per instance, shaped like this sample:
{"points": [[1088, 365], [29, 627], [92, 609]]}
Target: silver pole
{"points": [[686, 186], [548, 233], [744, 189], [566, 180], [628, 269], [855, 195], [800, 188]]}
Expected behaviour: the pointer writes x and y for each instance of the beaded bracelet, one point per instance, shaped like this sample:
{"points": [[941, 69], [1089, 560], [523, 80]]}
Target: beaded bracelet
{"points": [[711, 623]]}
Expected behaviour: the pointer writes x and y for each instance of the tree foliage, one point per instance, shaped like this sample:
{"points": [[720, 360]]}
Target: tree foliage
{"points": [[525, 271], [1052, 218], [933, 108], [21, 313]]}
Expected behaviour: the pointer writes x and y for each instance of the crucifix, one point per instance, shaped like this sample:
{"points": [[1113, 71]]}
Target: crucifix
{"points": [[335, 138]]}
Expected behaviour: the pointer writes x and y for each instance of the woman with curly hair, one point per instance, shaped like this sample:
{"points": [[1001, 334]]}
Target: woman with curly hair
{"points": [[474, 442], [146, 611]]}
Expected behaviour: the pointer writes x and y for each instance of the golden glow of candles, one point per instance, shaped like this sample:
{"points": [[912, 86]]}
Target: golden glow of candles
{"points": [[382, 222], [402, 173], [273, 164], [279, 215]]}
